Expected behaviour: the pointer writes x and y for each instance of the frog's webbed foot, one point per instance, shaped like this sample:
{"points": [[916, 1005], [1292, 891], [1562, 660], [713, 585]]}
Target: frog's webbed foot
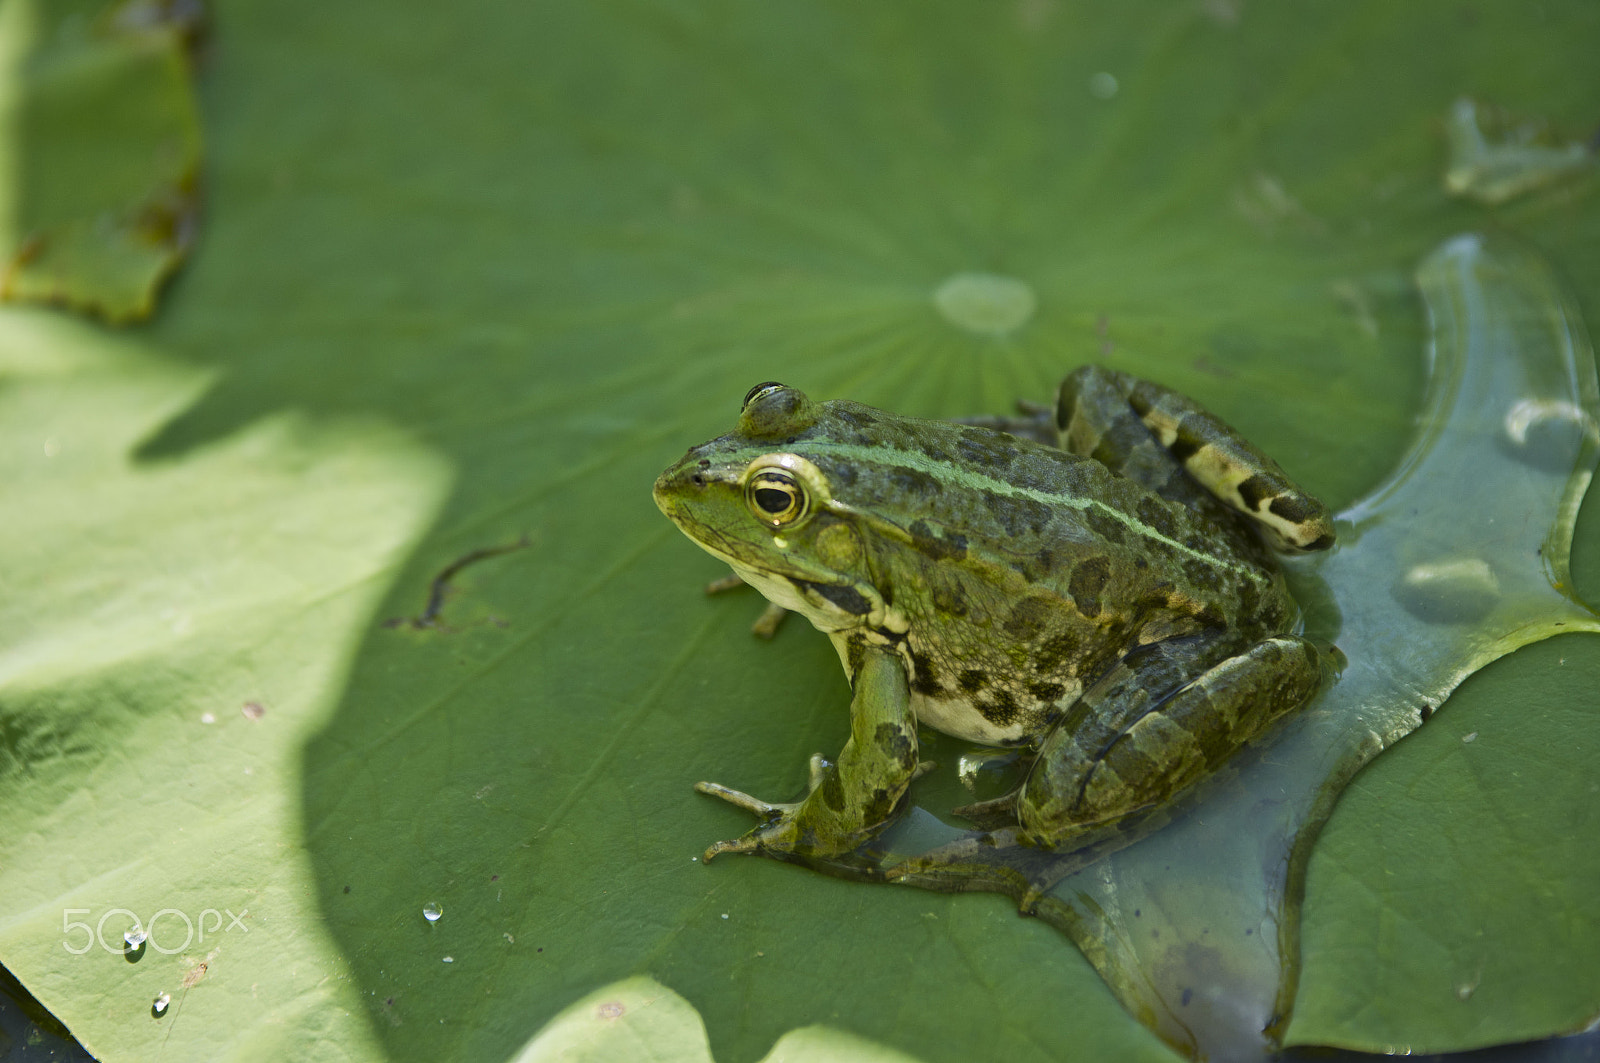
{"points": [[778, 833], [766, 625], [777, 816], [1008, 861]]}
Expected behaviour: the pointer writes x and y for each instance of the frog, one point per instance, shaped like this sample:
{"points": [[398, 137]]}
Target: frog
{"points": [[1095, 584]]}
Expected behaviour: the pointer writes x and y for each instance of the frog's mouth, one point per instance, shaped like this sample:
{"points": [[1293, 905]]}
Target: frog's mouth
{"points": [[684, 495]]}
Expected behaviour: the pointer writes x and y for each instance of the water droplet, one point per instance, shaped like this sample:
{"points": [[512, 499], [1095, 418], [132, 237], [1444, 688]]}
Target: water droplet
{"points": [[432, 912], [1454, 591], [1103, 86], [159, 1005], [986, 303], [206, 717], [724, 915], [135, 936], [1548, 433], [1473, 737], [253, 710], [449, 959]]}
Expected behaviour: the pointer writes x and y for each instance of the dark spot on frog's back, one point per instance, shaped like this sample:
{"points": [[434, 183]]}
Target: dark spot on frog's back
{"points": [[1054, 652], [1157, 516], [950, 546], [1037, 567], [985, 449], [1104, 524], [1089, 578], [972, 680], [1028, 617], [949, 599], [1018, 516], [913, 482], [839, 473], [1248, 597], [860, 417], [1201, 574]]}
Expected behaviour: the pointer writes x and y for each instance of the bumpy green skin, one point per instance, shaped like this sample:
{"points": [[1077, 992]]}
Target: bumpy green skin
{"points": [[1108, 603]]}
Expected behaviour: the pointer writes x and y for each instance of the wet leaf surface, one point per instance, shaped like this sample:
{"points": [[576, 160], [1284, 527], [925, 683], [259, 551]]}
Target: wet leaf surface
{"points": [[476, 276]]}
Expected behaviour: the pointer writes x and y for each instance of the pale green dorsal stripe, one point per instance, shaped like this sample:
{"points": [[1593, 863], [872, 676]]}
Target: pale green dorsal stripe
{"points": [[973, 481]]}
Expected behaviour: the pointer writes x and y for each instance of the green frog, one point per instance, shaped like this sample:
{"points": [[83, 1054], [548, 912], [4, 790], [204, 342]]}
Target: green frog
{"points": [[1093, 583]]}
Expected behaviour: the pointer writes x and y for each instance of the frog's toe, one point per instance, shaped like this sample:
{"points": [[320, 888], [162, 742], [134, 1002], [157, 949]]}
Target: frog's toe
{"points": [[750, 843], [754, 805]]}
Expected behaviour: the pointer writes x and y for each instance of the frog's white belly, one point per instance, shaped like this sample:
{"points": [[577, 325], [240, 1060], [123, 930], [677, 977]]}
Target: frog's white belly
{"points": [[959, 718]]}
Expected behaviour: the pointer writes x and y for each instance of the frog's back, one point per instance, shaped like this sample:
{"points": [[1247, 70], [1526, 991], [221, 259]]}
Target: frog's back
{"points": [[960, 492], [1019, 572]]}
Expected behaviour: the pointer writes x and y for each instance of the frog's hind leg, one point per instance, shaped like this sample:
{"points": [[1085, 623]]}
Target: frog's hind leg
{"points": [[1174, 446], [1009, 835], [1165, 717], [1144, 749]]}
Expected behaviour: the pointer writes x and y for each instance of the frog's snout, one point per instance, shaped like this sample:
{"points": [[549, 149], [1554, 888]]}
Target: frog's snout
{"points": [[679, 482]]}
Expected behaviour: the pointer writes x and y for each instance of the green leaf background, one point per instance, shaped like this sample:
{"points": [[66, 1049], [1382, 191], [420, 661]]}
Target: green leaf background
{"points": [[474, 275]]}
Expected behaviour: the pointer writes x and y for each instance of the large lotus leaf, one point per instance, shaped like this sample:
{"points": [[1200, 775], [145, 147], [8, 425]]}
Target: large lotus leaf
{"points": [[476, 275]]}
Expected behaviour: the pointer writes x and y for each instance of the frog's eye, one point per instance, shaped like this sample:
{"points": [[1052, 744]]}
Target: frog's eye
{"points": [[761, 389], [783, 489], [776, 498]]}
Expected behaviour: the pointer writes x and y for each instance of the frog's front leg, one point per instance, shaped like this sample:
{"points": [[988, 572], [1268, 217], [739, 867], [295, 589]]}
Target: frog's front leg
{"points": [[851, 799]]}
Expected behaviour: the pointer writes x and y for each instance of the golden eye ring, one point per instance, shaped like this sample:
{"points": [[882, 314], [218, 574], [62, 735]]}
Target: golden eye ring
{"points": [[776, 497], [783, 490]]}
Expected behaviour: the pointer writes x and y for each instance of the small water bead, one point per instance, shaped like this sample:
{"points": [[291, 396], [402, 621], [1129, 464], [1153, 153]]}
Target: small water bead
{"points": [[159, 1005], [135, 936], [1549, 433], [1103, 86], [1453, 591], [432, 912], [985, 303]]}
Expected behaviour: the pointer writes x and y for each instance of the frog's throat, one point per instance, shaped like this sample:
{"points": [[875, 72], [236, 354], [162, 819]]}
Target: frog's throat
{"points": [[831, 604]]}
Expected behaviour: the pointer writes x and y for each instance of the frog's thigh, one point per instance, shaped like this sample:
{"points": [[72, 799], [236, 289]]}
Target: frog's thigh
{"points": [[1163, 751]]}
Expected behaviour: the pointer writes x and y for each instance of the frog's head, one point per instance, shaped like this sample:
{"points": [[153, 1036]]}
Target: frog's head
{"points": [[764, 508]]}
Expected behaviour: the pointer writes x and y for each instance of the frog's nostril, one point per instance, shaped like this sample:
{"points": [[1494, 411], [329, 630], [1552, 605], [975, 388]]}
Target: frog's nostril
{"points": [[697, 480]]}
